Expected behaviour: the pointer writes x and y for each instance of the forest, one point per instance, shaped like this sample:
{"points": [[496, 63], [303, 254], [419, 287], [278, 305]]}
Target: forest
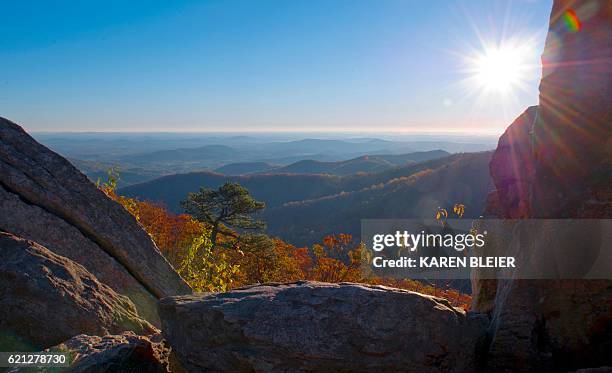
{"points": [[229, 259]]}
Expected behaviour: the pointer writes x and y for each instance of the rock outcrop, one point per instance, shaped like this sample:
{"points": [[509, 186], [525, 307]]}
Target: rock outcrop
{"points": [[572, 142], [126, 352], [47, 200], [554, 162], [46, 299], [512, 168], [310, 326]]}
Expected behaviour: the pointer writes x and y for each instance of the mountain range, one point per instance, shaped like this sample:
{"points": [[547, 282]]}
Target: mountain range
{"points": [[142, 157], [365, 163], [302, 208]]}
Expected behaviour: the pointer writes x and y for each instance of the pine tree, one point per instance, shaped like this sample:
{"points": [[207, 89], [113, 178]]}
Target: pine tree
{"points": [[229, 206]]}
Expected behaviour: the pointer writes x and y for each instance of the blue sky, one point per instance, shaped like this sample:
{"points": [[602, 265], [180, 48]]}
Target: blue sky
{"points": [[260, 65]]}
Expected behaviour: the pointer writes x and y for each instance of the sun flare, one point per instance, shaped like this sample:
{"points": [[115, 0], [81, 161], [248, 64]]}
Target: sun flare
{"points": [[501, 69]]}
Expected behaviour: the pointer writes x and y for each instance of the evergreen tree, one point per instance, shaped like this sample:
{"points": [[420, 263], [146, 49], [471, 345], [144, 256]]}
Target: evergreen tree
{"points": [[229, 206]]}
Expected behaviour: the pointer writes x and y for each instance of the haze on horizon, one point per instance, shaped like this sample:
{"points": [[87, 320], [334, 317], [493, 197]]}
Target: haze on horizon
{"points": [[359, 66]]}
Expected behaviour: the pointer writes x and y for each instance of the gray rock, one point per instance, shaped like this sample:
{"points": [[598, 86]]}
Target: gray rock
{"points": [[57, 235], [46, 299], [126, 352], [39, 184], [310, 326]]}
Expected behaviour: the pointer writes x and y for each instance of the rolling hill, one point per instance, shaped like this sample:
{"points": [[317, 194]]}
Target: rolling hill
{"points": [[365, 163], [274, 189], [302, 208], [361, 164], [271, 188], [463, 179]]}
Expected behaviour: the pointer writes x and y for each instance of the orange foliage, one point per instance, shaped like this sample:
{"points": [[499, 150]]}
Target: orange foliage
{"points": [[302, 258], [337, 259], [329, 265], [171, 233], [276, 262]]}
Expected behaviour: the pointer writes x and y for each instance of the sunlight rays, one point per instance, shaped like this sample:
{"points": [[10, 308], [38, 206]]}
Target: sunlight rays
{"points": [[497, 67], [501, 69]]}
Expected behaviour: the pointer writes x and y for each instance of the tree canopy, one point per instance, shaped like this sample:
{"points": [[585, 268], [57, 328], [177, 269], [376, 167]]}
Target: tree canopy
{"points": [[229, 206]]}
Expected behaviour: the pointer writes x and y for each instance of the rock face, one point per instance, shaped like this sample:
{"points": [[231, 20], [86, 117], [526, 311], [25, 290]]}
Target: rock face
{"points": [[309, 326], [66, 240], [572, 142], [126, 352], [554, 162], [45, 199], [46, 299], [512, 168]]}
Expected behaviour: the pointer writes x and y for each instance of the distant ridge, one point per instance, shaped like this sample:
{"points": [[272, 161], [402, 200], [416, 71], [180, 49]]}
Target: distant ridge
{"points": [[273, 188], [415, 193], [299, 203], [364, 163]]}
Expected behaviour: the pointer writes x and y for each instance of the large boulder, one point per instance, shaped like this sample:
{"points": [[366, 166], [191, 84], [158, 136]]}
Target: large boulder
{"points": [[46, 299], [310, 326], [62, 238], [554, 162], [46, 199]]}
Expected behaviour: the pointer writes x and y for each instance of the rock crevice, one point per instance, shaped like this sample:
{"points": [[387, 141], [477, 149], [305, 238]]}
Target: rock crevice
{"points": [[45, 199], [25, 168], [46, 299]]}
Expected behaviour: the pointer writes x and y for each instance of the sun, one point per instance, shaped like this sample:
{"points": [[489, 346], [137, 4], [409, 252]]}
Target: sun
{"points": [[498, 69], [501, 68]]}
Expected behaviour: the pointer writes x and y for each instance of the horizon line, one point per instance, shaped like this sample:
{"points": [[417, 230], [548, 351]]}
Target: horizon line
{"points": [[234, 132]]}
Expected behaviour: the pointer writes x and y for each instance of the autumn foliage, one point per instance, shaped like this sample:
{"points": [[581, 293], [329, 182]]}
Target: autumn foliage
{"points": [[256, 258]]}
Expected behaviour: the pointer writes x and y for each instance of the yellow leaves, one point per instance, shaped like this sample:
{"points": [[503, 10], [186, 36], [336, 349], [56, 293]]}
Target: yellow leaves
{"points": [[318, 251], [109, 187], [441, 214], [329, 266], [459, 209], [205, 269], [130, 204], [356, 255]]}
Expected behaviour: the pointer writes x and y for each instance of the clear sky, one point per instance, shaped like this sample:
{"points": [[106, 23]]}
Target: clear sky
{"points": [[262, 65]]}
